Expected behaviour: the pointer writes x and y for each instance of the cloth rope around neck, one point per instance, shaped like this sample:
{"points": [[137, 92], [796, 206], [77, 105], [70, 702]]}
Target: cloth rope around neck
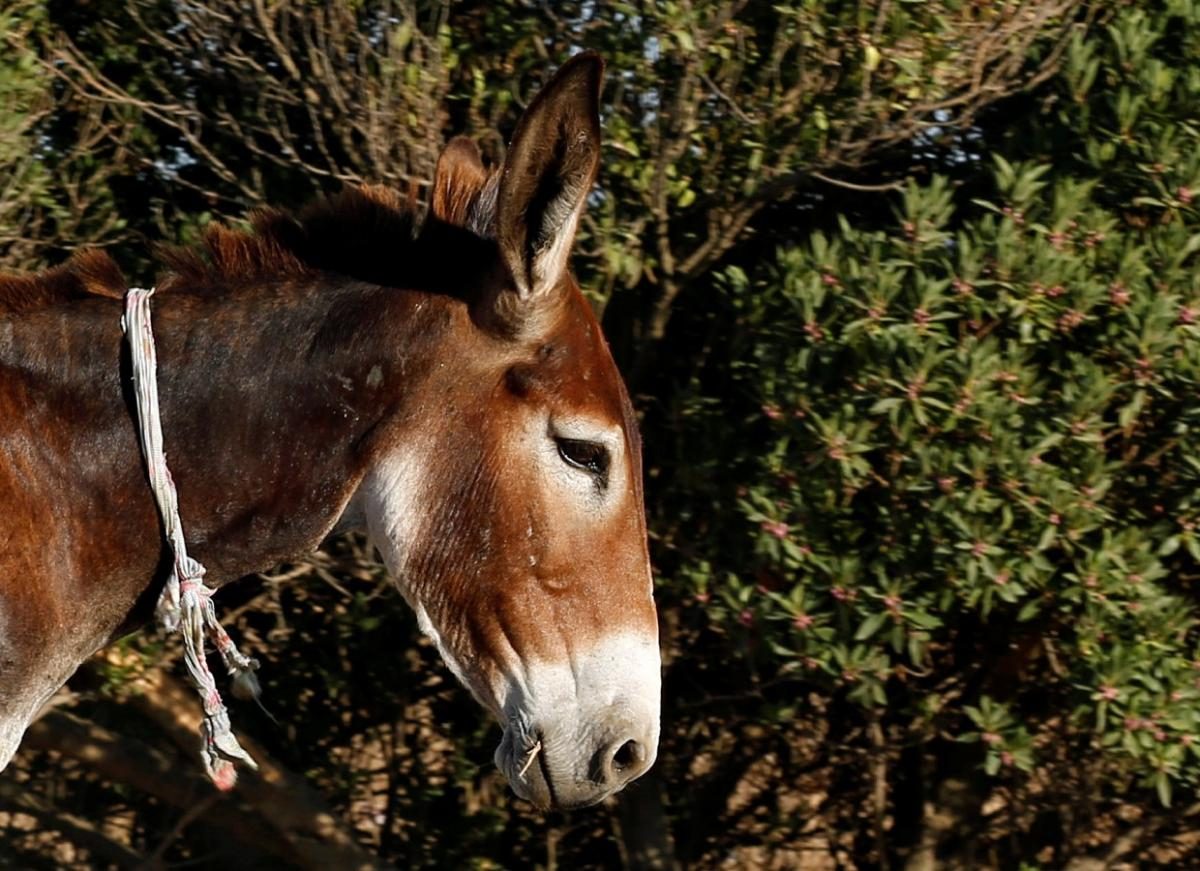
{"points": [[186, 602]]}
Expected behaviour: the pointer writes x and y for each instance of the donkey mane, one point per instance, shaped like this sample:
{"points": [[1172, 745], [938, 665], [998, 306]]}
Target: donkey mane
{"points": [[88, 273], [366, 232]]}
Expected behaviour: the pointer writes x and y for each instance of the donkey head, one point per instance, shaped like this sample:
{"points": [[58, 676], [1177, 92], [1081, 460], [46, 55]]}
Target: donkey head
{"points": [[511, 513]]}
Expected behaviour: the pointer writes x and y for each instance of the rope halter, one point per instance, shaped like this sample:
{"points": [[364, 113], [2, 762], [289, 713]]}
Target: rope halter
{"points": [[185, 604]]}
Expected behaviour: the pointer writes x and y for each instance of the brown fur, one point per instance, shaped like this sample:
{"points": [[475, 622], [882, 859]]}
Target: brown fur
{"points": [[90, 272], [458, 181]]}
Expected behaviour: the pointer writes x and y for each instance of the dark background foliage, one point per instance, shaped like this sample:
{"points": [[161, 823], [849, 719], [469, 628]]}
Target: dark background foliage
{"points": [[906, 295]]}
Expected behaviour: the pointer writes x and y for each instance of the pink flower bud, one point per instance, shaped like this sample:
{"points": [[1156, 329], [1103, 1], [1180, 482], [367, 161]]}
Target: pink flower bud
{"points": [[777, 528]]}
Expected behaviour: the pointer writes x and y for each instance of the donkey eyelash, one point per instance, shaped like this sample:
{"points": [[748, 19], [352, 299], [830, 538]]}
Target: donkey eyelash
{"points": [[591, 457]]}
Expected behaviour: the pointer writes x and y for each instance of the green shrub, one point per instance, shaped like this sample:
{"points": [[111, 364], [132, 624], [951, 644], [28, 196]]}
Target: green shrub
{"points": [[966, 444]]}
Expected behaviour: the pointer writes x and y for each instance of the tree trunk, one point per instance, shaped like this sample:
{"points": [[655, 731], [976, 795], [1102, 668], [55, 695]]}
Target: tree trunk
{"points": [[643, 829], [284, 799]]}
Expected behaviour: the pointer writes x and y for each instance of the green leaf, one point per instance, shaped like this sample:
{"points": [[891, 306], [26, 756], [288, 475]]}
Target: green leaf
{"points": [[870, 626], [1029, 610], [1162, 784]]}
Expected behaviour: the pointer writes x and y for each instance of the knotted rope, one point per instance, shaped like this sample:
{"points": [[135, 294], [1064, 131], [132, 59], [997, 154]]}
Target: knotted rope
{"points": [[186, 601]]}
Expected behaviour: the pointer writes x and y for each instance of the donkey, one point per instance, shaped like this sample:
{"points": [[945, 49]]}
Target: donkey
{"points": [[438, 380]]}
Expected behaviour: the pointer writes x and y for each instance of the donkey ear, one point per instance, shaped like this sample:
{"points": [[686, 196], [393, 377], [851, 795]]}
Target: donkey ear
{"points": [[458, 179], [548, 173]]}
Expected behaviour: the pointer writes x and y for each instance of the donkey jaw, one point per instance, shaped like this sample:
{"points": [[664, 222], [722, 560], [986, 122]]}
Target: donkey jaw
{"points": [[579, 731]]}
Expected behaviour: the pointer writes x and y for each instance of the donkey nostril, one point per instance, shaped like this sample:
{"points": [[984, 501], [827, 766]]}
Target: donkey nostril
{"points": [[627, 756], [620, 761]]}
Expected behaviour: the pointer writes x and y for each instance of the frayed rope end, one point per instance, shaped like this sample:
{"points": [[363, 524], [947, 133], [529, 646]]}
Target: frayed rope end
{"points": [[220, 750], [223, 774]]}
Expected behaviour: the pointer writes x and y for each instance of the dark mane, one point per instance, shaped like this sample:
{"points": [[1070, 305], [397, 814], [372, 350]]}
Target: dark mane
{"points": [[88, 273], [365, 233], [361, 233]]}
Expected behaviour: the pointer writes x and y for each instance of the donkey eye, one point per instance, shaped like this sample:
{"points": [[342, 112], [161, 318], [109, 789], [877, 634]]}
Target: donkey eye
{"points": [[589, 456]]}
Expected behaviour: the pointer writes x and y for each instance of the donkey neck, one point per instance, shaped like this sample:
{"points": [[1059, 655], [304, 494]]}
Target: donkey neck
{"points": [[274, 401]]}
